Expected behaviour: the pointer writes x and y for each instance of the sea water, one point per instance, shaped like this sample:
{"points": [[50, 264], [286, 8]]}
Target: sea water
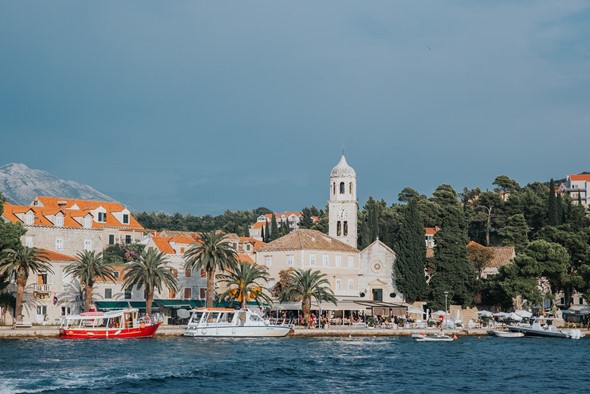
{"points": [[308, 365]]}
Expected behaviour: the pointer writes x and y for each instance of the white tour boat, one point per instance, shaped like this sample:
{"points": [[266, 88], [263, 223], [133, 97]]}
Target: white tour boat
{"points": [[542, 327], [224, 322]]}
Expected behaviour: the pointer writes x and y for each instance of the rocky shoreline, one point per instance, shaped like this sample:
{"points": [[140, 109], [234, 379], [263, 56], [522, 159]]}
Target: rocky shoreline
{"points": [[175, 331]]}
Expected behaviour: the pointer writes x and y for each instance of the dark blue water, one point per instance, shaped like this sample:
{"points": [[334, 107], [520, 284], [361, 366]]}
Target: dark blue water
{"points": [[384, 365]]}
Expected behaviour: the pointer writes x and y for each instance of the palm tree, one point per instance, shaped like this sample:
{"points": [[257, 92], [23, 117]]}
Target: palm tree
{"points": [[20, 262], [305, 284], [211, 252], [150, 271], [88, 267], [243, 284]]}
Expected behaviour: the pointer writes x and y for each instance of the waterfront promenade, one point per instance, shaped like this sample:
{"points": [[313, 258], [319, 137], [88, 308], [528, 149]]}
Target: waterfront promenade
{"points": [[346, 331]]}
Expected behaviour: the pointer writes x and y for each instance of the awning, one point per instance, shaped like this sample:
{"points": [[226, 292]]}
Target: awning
{"points": [[113, 305], [179, 304]]}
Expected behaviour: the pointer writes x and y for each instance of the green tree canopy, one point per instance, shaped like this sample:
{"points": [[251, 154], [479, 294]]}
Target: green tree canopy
{"points": [[150, 271], [88, 268], [212, 252]]}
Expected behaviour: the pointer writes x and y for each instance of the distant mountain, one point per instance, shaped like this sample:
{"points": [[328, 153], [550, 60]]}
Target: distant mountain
{"points": [[20, 185]]}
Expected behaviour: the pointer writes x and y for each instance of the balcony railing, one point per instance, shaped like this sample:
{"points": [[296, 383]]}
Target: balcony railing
{"points": [[43, 288]]}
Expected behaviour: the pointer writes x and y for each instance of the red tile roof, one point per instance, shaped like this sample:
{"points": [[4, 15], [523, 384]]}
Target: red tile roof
{"points": [[55, 256], [580, 177]]}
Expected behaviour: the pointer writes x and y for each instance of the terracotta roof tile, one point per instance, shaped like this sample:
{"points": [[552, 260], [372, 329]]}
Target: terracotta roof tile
{"points": [[55, 256], [580, 177], [163, 245], [502, 255], [303, 239]]}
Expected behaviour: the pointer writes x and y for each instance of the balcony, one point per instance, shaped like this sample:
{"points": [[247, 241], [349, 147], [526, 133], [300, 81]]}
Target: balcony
{"points": [[41, 289]]}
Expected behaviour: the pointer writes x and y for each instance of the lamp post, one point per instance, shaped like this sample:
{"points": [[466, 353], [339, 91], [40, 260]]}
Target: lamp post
{"points": [[445, 320]]}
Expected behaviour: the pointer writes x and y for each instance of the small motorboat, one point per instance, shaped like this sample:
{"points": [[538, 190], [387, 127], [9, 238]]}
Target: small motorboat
{"points": [[226, 322], [506, 334], [118, 324], [542, 327], [439, 337]]}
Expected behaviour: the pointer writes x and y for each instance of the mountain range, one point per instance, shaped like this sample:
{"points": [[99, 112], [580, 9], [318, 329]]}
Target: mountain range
{"points": [[20, 185]]}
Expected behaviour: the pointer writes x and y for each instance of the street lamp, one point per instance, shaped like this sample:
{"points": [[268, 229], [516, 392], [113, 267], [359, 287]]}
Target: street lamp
{"points": [[445, 321]]}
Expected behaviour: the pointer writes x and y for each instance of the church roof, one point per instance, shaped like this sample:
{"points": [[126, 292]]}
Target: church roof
{"points": [[303, 239], [342, 169]]}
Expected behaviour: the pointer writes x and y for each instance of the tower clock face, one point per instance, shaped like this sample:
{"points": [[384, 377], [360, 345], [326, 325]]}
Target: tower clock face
{"points": [[342, 213]]}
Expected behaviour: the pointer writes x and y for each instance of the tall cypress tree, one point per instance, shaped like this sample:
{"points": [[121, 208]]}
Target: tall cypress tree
{"points": [[552, 215], [411, 255], [274, 228], [267, 232]]}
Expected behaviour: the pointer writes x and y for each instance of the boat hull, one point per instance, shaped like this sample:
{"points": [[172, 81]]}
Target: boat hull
{"points": [[507, 334], [109, 333], [238, 332], [432, 338], [533, 332]]}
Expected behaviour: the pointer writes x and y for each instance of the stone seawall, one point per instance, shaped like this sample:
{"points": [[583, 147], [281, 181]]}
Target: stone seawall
{"points": [[176, 331]]}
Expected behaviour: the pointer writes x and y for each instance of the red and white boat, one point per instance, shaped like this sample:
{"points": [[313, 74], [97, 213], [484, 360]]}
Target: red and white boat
{"points": [[119, 324]]}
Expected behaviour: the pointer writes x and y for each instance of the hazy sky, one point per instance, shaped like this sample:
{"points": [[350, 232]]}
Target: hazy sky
{"points": [[202, 106]]}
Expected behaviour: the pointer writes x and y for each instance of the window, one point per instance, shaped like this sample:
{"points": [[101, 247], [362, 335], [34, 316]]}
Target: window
{"points": [[128, 239], [325, 260], [312, 260], [351, 284], [338, 284], [188, 273], [59, 221], [350, 262], [87, 244], [350, 188], [111, 239], [29, 241], [42, 278], [581, 300], [59, 243], [268, 261], [248, 247], [41, 310], [116, 274], [66, 310], [171, 293], [339, 228], [30, 219], [345, 228], [108, 293], [290, 261], [334, 188], [203, 273], [125, 218], [102, 217], [202, 293], [342, 188], [338, 261], [187, 293], [127, 295]]}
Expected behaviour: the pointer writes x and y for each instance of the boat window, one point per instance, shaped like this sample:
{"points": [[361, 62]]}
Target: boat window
{"points": [[255, 318], [197, 317], [230, 316]]}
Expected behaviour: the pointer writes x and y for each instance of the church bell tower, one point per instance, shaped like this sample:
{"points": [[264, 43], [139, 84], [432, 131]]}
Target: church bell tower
{"points": [[343, 206]]}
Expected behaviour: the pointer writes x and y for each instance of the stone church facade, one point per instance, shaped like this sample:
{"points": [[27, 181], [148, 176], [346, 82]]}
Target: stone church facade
{"points": [[362, 276]]}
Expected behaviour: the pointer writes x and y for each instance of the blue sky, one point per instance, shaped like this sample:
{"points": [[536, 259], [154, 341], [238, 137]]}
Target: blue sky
{"points": [[202, 106]]}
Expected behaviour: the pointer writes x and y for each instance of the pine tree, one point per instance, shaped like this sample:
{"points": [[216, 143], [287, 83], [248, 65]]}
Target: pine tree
{"points": [[552, 205], [515, 232], [560, 209], [262, 235], [411, 255]]}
